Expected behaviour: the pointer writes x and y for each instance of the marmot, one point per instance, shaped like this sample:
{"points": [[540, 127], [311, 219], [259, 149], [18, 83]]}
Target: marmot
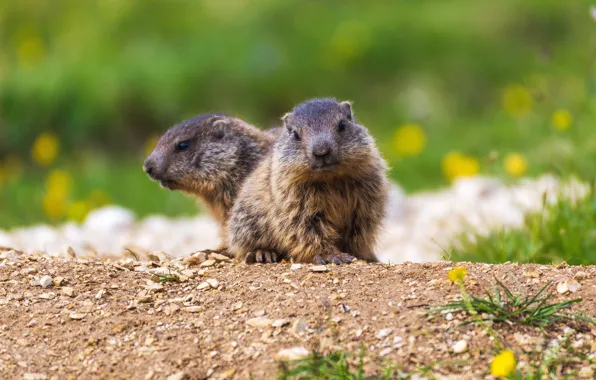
{"points": [[319, 196], [209, 157]]}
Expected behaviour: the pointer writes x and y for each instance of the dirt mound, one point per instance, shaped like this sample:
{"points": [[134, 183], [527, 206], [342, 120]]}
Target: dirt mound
{"points": [[101, 319]]}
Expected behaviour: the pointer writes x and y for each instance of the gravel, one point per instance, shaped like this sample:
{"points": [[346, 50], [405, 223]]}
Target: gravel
{"points": [[418, 226]]}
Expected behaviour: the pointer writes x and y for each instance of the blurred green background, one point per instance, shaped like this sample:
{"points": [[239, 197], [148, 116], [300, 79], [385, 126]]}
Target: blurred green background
{"points": [[448, 88]]}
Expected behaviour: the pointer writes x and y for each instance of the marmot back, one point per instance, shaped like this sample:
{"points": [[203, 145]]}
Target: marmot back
{"points": [[318, 196], [209, 157]]}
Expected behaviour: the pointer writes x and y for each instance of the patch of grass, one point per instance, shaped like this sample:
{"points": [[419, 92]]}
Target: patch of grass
{"points": [[339, 365], [563, 231], [317, 366], [161, 278], [502, 305], [553, 363]]}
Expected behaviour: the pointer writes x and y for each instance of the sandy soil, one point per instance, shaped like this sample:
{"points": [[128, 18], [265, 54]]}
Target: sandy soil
{"points": [[102, 319]]}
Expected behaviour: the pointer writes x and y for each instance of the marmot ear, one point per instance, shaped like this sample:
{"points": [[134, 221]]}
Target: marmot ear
{"points": [[220, 123], [285, 118], [221, 128], [346, 106]]}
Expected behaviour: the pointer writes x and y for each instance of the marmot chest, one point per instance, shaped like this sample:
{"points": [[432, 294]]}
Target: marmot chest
{"points": [[335, 204]]}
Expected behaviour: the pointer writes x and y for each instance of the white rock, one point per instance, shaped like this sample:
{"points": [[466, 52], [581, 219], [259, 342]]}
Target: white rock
{"points": [[9, 255], [294, 353], [568, 285], [154, 286], [208, 263], [218, 257], [296, 266], [46, 281], [280, 323], [193, 309], [110, 219], [177, 376], [35, 376], [68, 291], [259, 322], [383, 333], [212, 282], [319, 268], [460, 346]]}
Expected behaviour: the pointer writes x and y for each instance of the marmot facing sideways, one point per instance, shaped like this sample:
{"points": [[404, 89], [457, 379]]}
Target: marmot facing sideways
{"points": [[209, 157], [319, 196]]}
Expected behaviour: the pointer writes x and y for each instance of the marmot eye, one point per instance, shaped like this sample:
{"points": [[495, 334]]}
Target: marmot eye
{"points": [[182, 146], [341, 126], [296, 135]]}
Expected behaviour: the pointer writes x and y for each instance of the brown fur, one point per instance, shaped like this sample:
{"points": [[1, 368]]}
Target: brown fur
{"points": [[222, 151], [307, 207]]}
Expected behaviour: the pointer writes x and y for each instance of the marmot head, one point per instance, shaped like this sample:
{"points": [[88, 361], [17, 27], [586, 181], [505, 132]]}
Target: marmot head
{"points": [[207, 151], [322, 136]]}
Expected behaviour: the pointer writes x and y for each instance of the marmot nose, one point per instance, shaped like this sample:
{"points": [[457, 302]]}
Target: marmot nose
{"points": [[148, 169], [321, 150]]}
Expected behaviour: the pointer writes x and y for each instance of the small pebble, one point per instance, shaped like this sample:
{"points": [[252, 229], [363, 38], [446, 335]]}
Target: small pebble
{"points": [[177, 376], [382, 333], [218, 257], [68, 291], [193, 309], [208, 263], [46, 281], [259, 322], [77, 316], [294, 353], [319, 268], [35, 376], [296, 266], [460, 346], [280, 323]]}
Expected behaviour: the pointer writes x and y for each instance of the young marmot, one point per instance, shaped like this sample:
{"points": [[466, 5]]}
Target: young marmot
{"points": [[209, 157], [319, 196]]}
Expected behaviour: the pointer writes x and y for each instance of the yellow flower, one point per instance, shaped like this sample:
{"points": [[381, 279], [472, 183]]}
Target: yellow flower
{"points": [[409, 140], [503, 364], [457, 274], [150, 144], [515, 164], [54, 204], [45, 149], [31, 51], [562, 120], [455, 165], [77, 211], [517, 100], [59, 181]]}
